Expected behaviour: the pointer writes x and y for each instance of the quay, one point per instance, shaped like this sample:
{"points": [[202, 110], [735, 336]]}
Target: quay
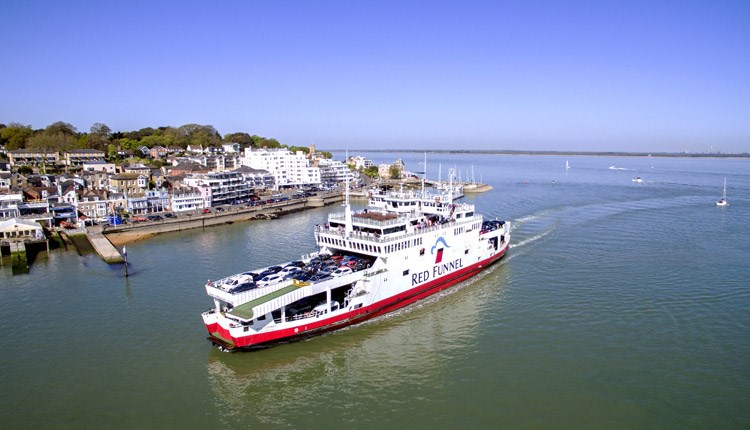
{"points": [[108, 238]]}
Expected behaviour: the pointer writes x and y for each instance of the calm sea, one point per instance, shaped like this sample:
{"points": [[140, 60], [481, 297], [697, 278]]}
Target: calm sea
{"points": [[620, 305]]}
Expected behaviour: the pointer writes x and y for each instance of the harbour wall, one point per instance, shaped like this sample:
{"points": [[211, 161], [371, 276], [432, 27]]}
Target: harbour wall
{"points": [[123, 234]]}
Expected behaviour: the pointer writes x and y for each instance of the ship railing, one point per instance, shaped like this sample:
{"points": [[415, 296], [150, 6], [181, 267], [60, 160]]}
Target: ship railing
{"points": [[384, 223], [236, 299], [372, 237]]}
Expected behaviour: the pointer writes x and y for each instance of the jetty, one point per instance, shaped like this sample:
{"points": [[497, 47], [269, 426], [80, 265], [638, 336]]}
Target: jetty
{"points": [[103, 246]]}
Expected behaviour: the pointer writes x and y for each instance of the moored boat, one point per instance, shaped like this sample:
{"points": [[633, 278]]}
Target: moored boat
{"points": [[368, 263]]}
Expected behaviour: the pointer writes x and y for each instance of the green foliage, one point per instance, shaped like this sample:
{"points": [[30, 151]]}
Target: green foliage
{"points": [[25, 170], [325, 154], [304, 149], [394, 172], [263, 142], [154, 140], [243, 139], [371, 171], [60, 127], [15, 135], [129, 144], [54, 141], [62, 136], [112, 151]]}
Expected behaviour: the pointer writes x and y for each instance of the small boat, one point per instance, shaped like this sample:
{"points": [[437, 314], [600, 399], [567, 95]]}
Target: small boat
{"points": [[638, 180], [723, 201]]}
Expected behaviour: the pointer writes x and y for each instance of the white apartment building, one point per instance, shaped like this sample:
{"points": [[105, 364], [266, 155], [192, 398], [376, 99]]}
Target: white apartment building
{"points": [[186, 199], [334, 171], [360, 162], [288, 169], [223, 188]]}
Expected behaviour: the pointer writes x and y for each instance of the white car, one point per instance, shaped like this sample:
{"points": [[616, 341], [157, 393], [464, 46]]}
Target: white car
{"points": [[322, 307], [270, 280], [341, 271], [287, 270]]}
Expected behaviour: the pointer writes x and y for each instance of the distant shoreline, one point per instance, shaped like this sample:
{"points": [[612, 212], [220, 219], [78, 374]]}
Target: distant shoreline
{"points": [[566, 153]]}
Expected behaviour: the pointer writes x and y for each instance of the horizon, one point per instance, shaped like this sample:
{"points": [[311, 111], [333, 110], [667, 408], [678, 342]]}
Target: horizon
{"points": [[540, 76]]}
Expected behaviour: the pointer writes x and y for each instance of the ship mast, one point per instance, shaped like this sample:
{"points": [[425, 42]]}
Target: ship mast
{"points": [[424, 174], [348, 223]]}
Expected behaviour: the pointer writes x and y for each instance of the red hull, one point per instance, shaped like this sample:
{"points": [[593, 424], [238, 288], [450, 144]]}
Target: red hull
{"points": [[353, 317]]}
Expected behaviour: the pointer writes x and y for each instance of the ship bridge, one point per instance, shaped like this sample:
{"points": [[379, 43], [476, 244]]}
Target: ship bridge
{"points": [[378, 233]]}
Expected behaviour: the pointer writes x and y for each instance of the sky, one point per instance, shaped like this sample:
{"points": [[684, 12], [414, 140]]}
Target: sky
{"points": [[654, 76]]}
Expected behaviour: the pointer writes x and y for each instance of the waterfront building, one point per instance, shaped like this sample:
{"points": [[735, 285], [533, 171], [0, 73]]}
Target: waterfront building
{"points": [[21, 229], [360, 162], [260, 179], [289, 169], [158, 200], [137, 205], [384, 170], [220, 188], [334, 171], [9, 205], [92, 203], [186, 200], [128, 183]]}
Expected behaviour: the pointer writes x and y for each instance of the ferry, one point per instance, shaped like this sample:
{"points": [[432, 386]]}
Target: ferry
{"points": [[367, 263]]}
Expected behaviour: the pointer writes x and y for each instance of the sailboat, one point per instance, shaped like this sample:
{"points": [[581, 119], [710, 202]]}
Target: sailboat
{"points": [[723, 201], [567, 165]]}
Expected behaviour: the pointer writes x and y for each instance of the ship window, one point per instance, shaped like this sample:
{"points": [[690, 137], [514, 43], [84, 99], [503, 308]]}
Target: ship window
{"points": [[358, 305], [406, 272], [247, 328], [466, 251]]}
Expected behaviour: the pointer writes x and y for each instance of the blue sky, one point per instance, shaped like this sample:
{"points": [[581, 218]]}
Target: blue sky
{"points": [[537, 75]]}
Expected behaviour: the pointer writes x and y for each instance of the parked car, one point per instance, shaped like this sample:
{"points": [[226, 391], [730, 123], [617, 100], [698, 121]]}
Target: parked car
{"points": [[139, 218], [245, 286], [341, 271], [206, 211], [170, 215], [288, 269], [155, 217], [270, 280], [220, 209]]}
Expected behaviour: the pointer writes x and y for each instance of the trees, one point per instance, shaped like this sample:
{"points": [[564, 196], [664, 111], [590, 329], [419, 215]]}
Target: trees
{"points": [[25, 170], [15, 135], [371, 171], [394, 172], [243, 139], [60, 127]]}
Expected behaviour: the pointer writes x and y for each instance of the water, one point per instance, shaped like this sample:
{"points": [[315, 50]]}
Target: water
{"points": [[620, 305]]}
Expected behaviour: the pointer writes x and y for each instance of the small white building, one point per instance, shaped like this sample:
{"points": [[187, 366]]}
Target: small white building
{"points": [[186, 200], [21, 229]]}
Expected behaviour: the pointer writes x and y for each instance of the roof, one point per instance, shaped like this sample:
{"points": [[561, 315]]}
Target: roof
{"points": [[245, 310], [23, 225]]}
